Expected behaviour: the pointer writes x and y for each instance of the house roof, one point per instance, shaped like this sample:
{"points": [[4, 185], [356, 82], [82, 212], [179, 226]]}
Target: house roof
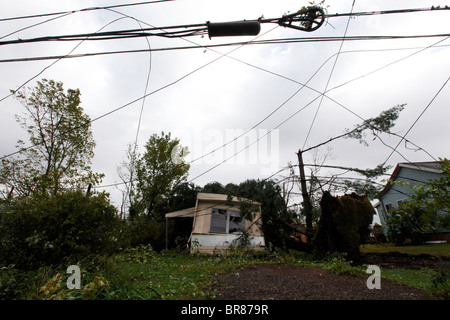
{"points": [[431, 166], [190, 212], [222, 197]]}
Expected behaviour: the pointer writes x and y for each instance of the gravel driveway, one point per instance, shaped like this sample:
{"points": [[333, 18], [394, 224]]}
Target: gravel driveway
{"points": [[284, 282]]}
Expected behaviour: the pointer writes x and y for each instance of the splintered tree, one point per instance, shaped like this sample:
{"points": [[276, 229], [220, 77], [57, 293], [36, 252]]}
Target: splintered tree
{"points": [[62, 143], [376, 126]]}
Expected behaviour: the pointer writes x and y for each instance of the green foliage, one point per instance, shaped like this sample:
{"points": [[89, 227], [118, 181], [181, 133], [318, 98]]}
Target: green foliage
{"points": [[367, 186], [339, 264], [143, 231], [274, 214], [11, 283], [139, 254], [406, 224], [434, 198], [438, 249], [158, 170], [427, 209], [183, 196], [46, 230], [142, 274], [215, 187], [381, 124], [63, 145], [440, 288]]}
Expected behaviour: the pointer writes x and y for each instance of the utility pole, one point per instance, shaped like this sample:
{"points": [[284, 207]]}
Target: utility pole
{"points": [[307, 205]]}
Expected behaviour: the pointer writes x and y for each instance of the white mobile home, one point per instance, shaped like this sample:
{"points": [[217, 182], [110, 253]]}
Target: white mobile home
{"points": [[218, 223]]}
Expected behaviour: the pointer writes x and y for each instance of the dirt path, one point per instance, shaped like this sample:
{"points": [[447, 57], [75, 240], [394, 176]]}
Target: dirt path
{"points": [[284, 282]]}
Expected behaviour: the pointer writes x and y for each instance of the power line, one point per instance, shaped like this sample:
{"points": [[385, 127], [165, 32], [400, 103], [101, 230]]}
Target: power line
{"points": [[279, 107], [415, 121], [366, 13], [138, 99], [177, 81], [262, 42], [382, 12], [302, 16], [200, 29], [290, 117], [83, 10], [54, 62], [287, 119], [396, 61], [161, 88], [122, 34], [36, 24], [310, 19], [329, 78], [125, 105]]}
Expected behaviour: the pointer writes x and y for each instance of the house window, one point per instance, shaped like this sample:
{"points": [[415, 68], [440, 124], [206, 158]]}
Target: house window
{"points": [[388, 207], [402, 201], [226, 221]]}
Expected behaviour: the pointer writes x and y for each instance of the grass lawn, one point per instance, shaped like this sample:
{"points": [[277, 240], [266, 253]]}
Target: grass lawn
{"points": [[442, 249], [417, 278], [172, 276], [142, 274], [184, 276]]}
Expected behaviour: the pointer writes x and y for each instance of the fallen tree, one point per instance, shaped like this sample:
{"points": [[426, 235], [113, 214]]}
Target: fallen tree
{"points": [[343, 224]]}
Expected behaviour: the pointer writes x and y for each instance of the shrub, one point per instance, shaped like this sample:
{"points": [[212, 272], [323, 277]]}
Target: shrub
{"points": [[406, 225], [48, 230], [142, 231]]}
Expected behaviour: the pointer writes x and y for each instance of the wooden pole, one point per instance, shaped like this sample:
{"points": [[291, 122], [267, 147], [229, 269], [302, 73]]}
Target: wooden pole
{"points": [[306, 199]]}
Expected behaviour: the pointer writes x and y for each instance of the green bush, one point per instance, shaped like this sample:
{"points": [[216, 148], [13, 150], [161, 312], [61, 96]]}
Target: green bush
{"points": [[49, 230], [406, 225], [141, 230]]}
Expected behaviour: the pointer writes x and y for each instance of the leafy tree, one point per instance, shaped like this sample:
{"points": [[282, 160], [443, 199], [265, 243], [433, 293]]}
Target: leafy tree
{"points": [[183, 196], [158, 171], [214, 187], [62, 144]]}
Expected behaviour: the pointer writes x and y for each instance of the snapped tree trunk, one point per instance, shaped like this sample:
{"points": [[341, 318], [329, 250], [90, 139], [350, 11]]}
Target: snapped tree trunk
{"points": [[306, 199]]}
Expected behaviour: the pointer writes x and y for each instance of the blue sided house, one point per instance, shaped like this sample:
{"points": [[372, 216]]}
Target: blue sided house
{"points": [[393, 194]]}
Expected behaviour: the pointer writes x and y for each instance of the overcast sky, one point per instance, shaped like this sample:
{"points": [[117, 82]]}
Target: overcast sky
{"points": [[211, 106]]}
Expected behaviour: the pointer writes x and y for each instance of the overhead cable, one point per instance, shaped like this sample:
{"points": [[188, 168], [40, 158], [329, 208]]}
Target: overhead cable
{"points": [[83, 10], [257, 42], [381, 12], [415, 121]]}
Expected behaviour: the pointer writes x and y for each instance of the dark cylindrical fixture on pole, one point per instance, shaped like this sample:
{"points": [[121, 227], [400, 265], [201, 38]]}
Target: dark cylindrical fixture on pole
{"points": [[231, 29]]}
